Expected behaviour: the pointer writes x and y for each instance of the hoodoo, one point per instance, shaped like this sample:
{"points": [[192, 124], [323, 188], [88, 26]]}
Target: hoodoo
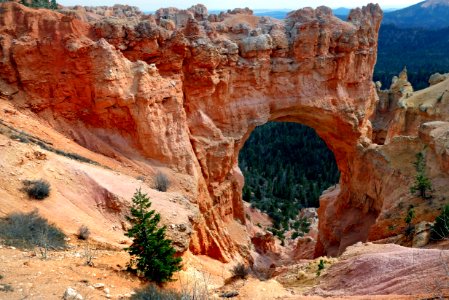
{"points": [[184, 89]]}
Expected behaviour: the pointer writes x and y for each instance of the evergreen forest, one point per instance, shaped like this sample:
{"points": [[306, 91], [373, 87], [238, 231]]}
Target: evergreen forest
{"points": [[424, 52], [286, 167], [49, 4]]}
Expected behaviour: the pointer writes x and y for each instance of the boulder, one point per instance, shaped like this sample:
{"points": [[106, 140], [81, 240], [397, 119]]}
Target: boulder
{"points": [[437, 78], [422, 234], [72, 294]]}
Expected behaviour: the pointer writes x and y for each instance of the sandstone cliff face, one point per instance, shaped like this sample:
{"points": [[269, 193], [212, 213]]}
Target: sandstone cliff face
{"points": [[186, 89], [407, 122]]}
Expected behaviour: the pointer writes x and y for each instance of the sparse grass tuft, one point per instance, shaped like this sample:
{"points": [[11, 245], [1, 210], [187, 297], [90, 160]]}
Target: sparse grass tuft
{"points": [[26, 138], [193, 291], [37, 189], [70, 155], [151, 292], [29, 230], [21, 138], [89, 255]]}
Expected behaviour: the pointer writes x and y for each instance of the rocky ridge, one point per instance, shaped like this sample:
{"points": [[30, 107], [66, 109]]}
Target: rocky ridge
{"points": [[186, 91], [183, 89]]}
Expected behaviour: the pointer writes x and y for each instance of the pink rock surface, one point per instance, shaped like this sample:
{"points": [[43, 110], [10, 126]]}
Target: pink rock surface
{"points": [[387, 270]]}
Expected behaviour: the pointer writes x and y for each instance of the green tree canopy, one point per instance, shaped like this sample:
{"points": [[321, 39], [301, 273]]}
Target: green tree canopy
{"points": [[151, 252]]}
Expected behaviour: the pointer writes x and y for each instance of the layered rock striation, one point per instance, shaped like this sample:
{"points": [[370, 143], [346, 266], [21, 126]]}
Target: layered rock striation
{"points": [[185, 89]]}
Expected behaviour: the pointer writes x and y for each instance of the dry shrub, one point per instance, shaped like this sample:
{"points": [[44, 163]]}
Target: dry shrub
{"points": [[37, 189], [240, 271], [83, 232], [161, 182]]}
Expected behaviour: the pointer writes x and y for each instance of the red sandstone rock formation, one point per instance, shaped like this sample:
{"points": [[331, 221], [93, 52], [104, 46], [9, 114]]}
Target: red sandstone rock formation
{"points": [[186, 89], [264, 243], [412, 122]]}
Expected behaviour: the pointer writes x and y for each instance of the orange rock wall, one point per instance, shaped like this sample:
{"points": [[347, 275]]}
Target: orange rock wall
{"points": [[186, 89]]}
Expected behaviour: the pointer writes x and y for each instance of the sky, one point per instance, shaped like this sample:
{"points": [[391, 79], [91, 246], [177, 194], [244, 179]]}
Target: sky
{"points": [[152, 5]]}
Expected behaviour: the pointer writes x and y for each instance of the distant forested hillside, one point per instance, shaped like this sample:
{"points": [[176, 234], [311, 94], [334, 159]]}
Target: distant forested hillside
{"points": [[424, 52], [286, 167], [432, 14]]}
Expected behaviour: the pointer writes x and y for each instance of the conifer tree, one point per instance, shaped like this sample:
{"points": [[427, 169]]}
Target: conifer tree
{"points": [[151, 252], [422, 182], [440, 229], [410, 228]]}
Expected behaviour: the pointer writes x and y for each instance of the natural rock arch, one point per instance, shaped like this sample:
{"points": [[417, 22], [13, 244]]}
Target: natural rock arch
{"points": [[187, 89], [328, 89]]}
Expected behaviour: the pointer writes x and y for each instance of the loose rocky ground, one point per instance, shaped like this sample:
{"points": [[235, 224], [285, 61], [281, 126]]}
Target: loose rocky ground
{"points": [[364, 271], [28, 276]]}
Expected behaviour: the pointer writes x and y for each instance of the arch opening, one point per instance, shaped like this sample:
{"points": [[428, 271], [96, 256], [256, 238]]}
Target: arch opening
{"points": [[286, 167]]}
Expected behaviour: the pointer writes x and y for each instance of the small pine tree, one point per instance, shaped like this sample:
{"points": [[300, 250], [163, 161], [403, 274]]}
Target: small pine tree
{"points": [[246, 195], [410, 215], [151, 252], [410, 228], [440, 229], [320, 267], [301, 226], [422, 182]]}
